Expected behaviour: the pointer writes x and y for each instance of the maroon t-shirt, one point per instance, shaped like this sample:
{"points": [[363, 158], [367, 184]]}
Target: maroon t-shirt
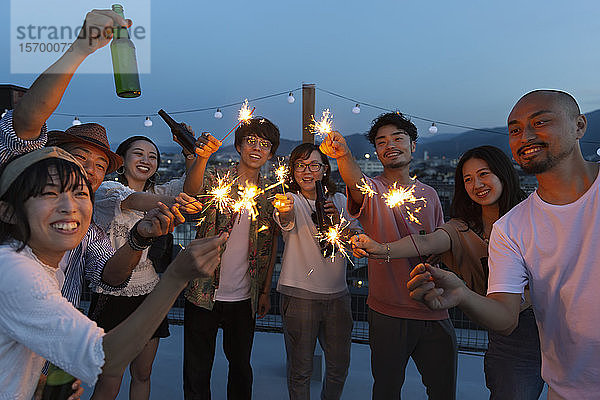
{"points": [[387, 281]]}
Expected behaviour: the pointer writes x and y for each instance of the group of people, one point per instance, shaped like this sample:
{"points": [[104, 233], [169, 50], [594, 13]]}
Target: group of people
{"points": [[522, 267]]}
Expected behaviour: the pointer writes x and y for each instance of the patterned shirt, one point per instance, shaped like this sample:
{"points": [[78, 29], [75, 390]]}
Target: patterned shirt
{"points": [[86, 260], [201, 291]]}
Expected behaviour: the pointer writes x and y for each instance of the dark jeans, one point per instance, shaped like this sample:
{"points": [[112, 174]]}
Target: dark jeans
{"points": [[432, 346], [513, 363], [200, 332], [303, 322]]}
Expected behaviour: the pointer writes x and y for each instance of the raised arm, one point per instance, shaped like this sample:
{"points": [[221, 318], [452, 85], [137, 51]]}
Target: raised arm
{"points": [[441, 290], [45, 94], [436, 242], [335, 146]]}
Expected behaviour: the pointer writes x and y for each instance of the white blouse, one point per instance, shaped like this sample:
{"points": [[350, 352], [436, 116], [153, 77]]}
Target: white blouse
{"points": [[117, 223], [37, 323]]}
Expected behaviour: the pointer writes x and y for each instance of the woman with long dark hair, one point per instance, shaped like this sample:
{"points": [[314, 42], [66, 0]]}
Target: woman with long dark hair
{"points": [[119, 205], [315, 302], [486, 186]]}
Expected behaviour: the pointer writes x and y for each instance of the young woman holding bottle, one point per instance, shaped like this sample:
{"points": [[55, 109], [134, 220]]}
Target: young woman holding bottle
{"points": [[486, 186], [315, 302]]}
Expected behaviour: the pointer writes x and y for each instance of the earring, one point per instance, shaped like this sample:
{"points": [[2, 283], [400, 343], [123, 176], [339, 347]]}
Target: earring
{"points": [[120, 170]]}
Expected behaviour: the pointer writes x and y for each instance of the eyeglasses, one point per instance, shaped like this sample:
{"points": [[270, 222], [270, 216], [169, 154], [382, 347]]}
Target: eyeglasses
{"points": [[262, 143], [312, 167]]}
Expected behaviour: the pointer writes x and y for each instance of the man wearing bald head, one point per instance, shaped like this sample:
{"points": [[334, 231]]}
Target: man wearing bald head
{"points": [[549, 241]]}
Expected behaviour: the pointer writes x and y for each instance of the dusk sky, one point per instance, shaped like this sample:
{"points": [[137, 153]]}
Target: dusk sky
{"points": [[462, 62]]}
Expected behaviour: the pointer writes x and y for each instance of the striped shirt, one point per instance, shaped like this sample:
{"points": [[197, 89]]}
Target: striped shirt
{"points": [[87, 260]]}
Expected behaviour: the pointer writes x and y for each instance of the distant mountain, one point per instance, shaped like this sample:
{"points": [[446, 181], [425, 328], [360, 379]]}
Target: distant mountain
{"points": [[448, 145]]}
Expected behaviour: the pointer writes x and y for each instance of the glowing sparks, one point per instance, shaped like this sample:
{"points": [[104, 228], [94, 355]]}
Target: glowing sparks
{"points": [[337, 238], [220, 194], [247, 200], [322, 127], [245, 113], [281, 172], [397, 196], [263, 228], [365, 188]]}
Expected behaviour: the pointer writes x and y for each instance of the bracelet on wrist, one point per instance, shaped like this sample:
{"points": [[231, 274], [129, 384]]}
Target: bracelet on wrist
{"points": [[136, 241], [387, 248]]}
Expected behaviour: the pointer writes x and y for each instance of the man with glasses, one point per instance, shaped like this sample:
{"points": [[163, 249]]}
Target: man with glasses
{"points": [[241, 284], [399, 327]]}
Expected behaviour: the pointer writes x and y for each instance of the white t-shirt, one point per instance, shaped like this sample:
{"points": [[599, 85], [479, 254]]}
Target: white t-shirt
{"points": [[556, 249], [234, 281], [303, 265], [37, 323]]}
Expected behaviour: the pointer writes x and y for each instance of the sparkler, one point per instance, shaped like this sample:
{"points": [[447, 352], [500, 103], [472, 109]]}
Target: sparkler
{"points": [[322, 127], [337, 238], [220, 193], [365, 188], [396, 197], [247, 200], [244, 116], [281, 173]]}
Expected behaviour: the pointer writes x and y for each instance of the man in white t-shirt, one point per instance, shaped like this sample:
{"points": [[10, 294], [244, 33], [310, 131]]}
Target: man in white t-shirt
{"points": [[549, 241]]}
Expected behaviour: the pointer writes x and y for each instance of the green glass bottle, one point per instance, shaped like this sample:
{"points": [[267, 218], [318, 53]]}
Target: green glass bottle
{"points": [[58, 384], [127, 80]]}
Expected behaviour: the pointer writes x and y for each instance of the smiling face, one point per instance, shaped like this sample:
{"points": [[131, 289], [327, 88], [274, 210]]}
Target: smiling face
{"points": [[543, 131], [57, 220], [254, 152], [394, 147], [94, 161], [307, 172], [141, 162], [481, 184]]}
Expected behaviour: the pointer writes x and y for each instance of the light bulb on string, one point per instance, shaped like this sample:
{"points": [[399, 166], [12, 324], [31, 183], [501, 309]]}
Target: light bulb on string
{"points": [[433, 129], [356, 109], [147, 122], [218, 114], [291, 98], [76, 121], [598, 151]]}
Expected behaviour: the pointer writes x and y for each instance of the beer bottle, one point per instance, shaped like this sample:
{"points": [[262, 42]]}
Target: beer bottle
{"points": [[186, 139], [58, 384], [127, 80]]}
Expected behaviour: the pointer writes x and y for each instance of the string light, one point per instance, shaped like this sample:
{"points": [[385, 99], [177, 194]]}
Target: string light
{"points": [[355, 110], [291, 98], [148, 122], [433, 129], [76, 121], [218, 114]]}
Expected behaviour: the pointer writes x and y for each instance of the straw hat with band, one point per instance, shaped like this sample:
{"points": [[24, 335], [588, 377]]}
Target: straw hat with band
{"points": [[91, 134], [15, 168]]}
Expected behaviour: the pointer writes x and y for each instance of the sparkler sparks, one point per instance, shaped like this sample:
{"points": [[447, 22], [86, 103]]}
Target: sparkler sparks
{"points": [[281, 172], [337, 238], [244, 116], [397, 196], [365, 188], [221, 193], [322, 127], [247, 200], [245, 113]]}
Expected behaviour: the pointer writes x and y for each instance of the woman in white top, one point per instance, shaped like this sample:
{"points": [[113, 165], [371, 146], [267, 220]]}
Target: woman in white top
{"points": [[118, 206], [45, 210], [315, 302]]}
